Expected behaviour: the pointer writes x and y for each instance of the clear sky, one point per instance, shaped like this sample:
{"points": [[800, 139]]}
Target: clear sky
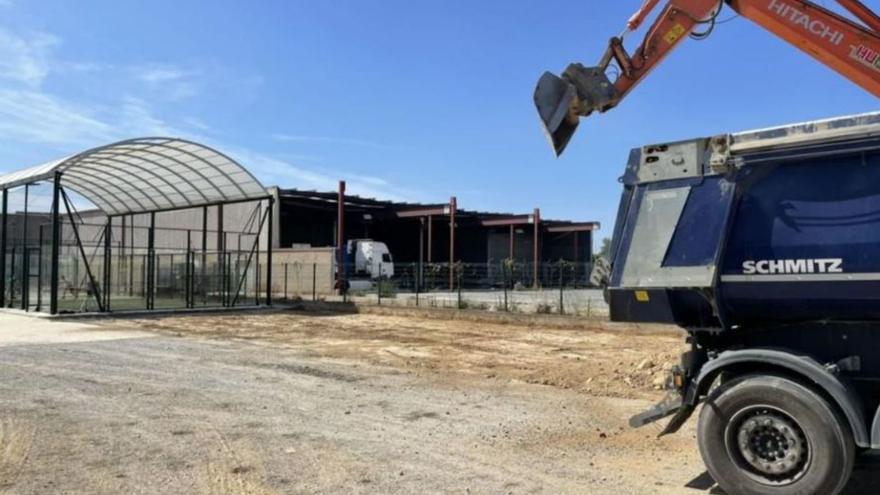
{"points": [[406, 99]]}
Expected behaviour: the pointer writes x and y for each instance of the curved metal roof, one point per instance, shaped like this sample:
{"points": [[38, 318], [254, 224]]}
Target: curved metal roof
{"points": [[148, 174]]}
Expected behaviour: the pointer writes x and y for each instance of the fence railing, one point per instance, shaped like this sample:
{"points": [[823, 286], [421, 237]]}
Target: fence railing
{"points": [[562, 287]]}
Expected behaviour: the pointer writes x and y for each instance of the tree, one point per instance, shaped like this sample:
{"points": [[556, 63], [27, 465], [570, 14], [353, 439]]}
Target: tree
{"points": [[605, 250]]}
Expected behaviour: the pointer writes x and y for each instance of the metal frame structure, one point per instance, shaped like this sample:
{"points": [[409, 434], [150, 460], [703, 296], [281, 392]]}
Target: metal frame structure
{"points": [[137, 176], [426, 215]]}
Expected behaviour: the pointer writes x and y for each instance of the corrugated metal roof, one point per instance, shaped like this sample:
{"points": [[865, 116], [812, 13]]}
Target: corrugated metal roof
{"points": [[148, 174]]}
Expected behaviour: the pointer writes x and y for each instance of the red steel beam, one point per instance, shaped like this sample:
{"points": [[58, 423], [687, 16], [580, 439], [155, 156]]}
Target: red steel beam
{"points": [[505, 221], [453, 206], [574, 227], [510, 247], [423, 212], [430, 238], [537, 246]]}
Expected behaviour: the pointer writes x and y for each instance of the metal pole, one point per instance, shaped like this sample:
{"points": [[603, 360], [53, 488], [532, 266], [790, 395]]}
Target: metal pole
{"points": [[12, 277], [453, 206], [4, 206], [459, 287], [430, 238], [248, 261], [40, 271], [270, 231], [589, 266], [561, 285], [505, 267], [285, 281], [203, 282], [537, 247], [221, 250], [122, 248], [314, 281], [421, 269], [576, 257], [340, 238], [510, 241], [151, 261], [107, 266], [25, 258], [82, 252], [187, 277], [131, 260], [56, 241]]}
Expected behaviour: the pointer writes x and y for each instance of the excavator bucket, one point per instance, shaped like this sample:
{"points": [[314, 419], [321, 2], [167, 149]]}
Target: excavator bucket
{"points": [[562, 100], [556, 101]]}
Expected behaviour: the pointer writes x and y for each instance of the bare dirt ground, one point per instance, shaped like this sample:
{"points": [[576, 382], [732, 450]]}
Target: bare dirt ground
{"points": [[304, 402], [621, 361]]}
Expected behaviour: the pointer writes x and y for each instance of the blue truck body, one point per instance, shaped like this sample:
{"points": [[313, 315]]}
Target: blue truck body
{"points": [[775, 225]]}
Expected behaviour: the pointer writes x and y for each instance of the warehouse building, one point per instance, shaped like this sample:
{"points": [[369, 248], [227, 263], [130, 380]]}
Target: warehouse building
{"points": [[180, 225], [429, 232]]}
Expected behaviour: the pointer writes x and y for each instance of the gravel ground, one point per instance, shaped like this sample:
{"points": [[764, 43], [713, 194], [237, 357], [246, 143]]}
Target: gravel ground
{"points": [[285, 403]]}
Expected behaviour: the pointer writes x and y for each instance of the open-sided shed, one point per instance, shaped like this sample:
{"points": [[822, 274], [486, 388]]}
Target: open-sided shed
{"points": [[131, 182]]}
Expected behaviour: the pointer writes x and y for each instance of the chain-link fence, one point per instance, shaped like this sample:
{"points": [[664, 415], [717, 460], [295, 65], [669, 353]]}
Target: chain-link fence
{"points": [[552, 287], [125, 274]]}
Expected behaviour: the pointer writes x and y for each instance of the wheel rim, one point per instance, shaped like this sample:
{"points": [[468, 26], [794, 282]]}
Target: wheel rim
{"points": [[768, 445]]}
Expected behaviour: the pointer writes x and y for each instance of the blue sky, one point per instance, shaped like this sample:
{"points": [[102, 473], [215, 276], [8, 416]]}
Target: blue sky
{"points": [[406, 99]]}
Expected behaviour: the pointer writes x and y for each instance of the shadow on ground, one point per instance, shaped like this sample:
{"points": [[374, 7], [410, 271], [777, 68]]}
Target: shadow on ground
{"points": [[864, 481]]}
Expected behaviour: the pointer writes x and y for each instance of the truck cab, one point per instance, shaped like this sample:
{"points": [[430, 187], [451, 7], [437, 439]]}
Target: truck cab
{"points": [[369, 259]]}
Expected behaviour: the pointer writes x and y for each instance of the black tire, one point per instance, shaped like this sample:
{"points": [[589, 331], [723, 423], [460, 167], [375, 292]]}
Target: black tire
{"points": [[770, 435]]}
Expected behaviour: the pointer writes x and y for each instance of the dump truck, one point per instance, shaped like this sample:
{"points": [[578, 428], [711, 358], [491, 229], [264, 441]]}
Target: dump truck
{"points": [[764, 246]]}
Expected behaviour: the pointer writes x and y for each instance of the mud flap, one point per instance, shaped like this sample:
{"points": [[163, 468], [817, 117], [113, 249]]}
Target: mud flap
{"points": [[681, 416], [670, 404]]}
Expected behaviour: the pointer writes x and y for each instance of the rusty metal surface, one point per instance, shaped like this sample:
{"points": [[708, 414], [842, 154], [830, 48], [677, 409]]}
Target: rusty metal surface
{"points": [[847, 127]]}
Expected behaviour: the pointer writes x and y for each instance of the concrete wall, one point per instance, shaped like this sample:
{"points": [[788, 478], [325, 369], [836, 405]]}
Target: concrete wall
{"points": [[300, 265]]}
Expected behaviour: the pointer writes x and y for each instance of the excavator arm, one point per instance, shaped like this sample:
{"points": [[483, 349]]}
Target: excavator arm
{"points": [[850, 48]]}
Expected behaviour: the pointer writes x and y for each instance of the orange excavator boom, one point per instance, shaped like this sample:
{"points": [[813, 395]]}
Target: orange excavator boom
{"points": [[850, 48]]}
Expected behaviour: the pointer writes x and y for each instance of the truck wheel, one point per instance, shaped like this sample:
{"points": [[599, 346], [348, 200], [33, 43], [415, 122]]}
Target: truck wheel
{"points": [[769, 435]]}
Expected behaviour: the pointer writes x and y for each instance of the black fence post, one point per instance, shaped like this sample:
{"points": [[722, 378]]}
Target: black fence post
{"points": [[505, 279], [11, 300], [151, 261], [3, 231], [269, 232], [419, 275], [314, 281], [107, 266], [561, 286], [458, 278], [285, 281], [187, 277], [40, 270], [56, 244], [25, 256]]}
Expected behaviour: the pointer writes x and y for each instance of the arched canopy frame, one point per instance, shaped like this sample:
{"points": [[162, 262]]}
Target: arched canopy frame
{"points": [[148, 175]]}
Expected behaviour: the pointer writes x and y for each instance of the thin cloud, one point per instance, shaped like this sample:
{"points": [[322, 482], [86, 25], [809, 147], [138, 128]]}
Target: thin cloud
{"points": [[158, 74], [272, 170], [295, 138], [25, 59], [31, 114], [36, 117], [172, 82]]}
